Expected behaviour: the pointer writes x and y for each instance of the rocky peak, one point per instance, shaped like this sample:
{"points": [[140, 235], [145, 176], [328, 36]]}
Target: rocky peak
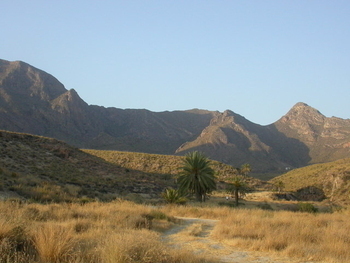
{"points": [[302, 112], [19, 78]]}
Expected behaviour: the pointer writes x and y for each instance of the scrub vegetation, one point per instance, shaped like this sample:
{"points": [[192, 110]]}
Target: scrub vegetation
{"points": [[122, 231]]}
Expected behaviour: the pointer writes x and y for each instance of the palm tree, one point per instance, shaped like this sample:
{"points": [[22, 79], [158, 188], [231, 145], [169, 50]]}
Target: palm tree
{"points": [[197, 176], [245, 169], [237, 186]]}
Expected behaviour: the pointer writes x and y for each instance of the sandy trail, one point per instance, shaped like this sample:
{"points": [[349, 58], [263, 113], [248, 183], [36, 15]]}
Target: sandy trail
{"points": [[194, 234]]}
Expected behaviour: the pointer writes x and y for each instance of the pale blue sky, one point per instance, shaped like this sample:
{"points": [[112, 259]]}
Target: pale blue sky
{"points": [[256, 58]]}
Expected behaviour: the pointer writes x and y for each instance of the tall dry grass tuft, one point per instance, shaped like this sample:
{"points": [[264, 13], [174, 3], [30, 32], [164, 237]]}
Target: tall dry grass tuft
{"points": [[5, 228], [132, 246], [15, 245], [135, 246], [54, 242]]}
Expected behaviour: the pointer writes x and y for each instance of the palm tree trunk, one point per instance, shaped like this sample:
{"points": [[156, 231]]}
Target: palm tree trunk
{"points": [[199, 197], [236, 197]]}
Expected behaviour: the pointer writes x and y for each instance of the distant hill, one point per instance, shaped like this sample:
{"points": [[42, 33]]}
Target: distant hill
{"points": [[332, 178], [32, 101]]}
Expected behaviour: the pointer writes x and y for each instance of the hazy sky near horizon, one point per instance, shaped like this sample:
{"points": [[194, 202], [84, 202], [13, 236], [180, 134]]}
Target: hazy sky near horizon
{"points": [[256, 58]]}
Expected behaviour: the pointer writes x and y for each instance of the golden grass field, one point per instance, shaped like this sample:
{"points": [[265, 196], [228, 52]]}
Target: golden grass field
{"points": [[113, 232], [122, 231]]}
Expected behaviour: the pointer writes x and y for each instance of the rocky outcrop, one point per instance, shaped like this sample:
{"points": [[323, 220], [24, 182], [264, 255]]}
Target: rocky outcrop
{"points": [[310, 193]]}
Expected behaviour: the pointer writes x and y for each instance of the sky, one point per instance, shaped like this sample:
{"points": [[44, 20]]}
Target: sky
{"points": [[256, 58]]}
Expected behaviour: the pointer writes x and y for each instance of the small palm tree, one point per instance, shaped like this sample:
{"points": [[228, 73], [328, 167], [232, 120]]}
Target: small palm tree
{"points": [[237, 186], [197, 176], [173, 196]]}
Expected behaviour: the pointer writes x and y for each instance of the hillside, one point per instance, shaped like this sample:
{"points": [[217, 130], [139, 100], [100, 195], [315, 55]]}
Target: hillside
{"points": [[332, 178], [166, 165], [33, 101], [46, 169]]}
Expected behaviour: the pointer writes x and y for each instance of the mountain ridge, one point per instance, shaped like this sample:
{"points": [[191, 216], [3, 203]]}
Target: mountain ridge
{"points": [[33, 101]]}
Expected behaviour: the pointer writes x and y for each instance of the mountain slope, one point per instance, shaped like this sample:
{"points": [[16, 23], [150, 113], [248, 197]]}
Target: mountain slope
{"points": [[158, 164], [35, 102], [230, 138], [333, 178], [46, 169], [303, 136], [327, 139]]}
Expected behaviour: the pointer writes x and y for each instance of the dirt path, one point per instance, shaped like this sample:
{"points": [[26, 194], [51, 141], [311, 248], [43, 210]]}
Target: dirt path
{"points": [[194, 234]]}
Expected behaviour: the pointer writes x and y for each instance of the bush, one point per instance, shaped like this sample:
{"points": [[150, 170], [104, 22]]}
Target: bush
{"points": [[307, 207], [265, 206], [228, 204], [172, 196], [158, 215]]}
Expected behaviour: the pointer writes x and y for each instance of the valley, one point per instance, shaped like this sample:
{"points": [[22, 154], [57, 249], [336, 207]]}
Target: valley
{"points": [[91, 180]]}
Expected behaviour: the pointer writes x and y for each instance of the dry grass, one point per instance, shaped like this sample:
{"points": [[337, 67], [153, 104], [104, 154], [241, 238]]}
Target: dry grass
{"points": [[119, 231], [308, 236], [123, 231], [124, 247], [53, 242]]}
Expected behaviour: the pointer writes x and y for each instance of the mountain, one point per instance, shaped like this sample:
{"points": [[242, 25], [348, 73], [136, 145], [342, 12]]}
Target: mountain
{"points": [[35, 102], [303, 136], [230, 138], [327, 139]]}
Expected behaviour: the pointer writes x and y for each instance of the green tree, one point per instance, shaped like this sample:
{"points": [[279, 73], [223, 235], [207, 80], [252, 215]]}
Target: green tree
{"points": [[279, 186], [237, 186], [197, 176], [245, 169]]}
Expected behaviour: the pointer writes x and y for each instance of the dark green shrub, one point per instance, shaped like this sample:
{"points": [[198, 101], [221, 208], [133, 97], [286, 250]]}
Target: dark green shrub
{"points": [[158, 215], [228, 204], [172, 196], [307, 207], [265, 206]]}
